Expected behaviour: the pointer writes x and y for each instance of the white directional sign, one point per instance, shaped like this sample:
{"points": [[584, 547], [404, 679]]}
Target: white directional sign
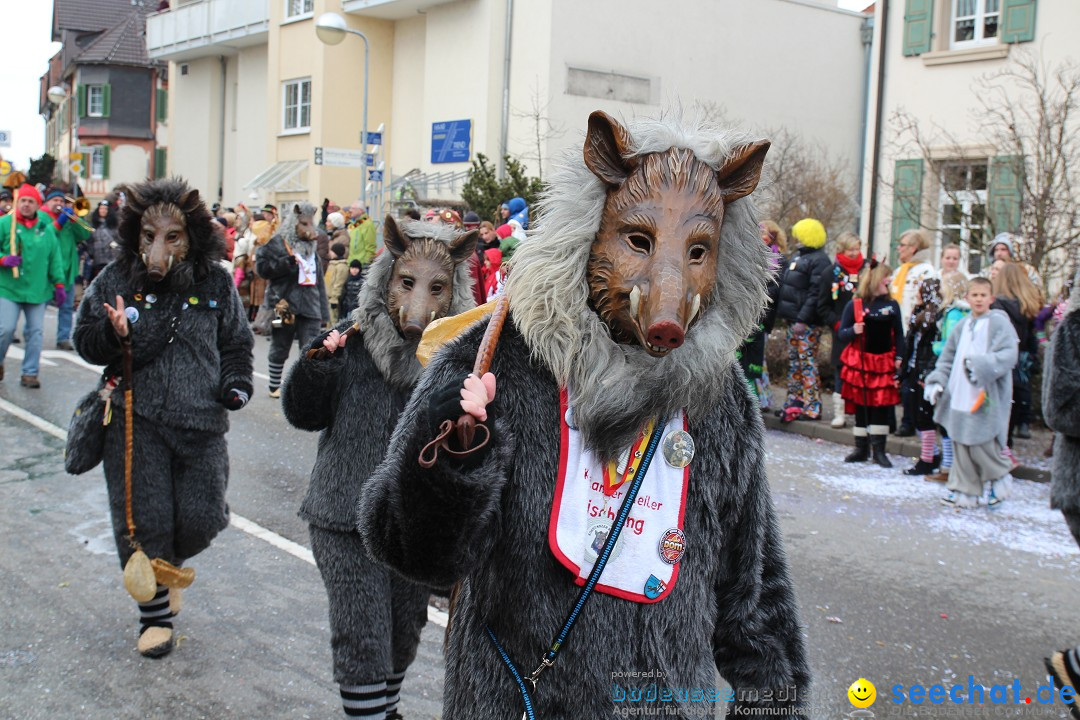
{"points": [[339, 157]]}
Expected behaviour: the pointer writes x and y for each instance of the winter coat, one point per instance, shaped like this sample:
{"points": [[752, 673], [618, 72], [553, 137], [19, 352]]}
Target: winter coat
{"points": [[336, 276], [905, 286], [802, 286], [948, 322], [42, 266], [69, 238], [869, 362], [103, 246], [992, 372], [1061, 409], [519, 210], [182, 371], [837, 289], [731, 610], [919, 357], [349, 292], [362, 242], [274, 262]]}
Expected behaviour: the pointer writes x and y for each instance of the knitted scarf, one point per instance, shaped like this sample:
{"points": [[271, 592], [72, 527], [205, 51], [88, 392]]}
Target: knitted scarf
{"points": [[851, 266]]}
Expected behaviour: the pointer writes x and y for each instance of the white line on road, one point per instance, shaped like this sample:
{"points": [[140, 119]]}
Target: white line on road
{"points": [[239, 522]]}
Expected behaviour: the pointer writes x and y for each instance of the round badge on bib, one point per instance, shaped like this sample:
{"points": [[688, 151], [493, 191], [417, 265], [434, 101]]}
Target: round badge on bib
{"points": [[678, 448], [132, 314], [672, 546]]}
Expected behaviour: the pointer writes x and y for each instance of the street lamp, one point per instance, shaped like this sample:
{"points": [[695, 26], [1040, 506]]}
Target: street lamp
{"points": [[331, 29]]}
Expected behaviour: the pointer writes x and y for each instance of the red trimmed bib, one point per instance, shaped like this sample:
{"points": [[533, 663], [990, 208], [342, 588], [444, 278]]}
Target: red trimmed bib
{"points": [[644, 565]]}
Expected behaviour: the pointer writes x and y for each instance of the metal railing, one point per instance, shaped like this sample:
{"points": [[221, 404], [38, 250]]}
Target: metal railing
{"points": [[203, 24]]}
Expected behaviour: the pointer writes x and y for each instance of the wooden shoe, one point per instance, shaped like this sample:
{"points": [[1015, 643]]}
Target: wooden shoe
{"points": [[155, 642]]}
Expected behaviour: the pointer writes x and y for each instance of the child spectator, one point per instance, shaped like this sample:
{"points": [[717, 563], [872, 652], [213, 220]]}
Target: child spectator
{"points": [[353, 283], [494, 277], [972, 389], [954, 308], [919, 360], [875, 344], [337, 272]]}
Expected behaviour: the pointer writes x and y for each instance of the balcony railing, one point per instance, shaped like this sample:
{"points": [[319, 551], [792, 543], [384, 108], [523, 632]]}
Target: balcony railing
{"points": [[207, 27], [389, 9]]}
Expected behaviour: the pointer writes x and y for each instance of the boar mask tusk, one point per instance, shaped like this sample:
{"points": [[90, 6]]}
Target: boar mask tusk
{"points": [[694, 307], [401, 316], [168, 266], [635, 302]]}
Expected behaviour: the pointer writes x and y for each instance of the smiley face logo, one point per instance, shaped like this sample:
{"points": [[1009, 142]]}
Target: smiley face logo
{"points": [[862, 693]]}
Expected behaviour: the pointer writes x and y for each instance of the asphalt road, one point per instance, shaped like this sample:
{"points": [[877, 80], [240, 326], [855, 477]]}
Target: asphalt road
{"points": [[892, 586]]}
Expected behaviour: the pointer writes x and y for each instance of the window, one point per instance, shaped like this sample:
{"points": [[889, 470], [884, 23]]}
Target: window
{"points": [[296, 115], [98, 166], [974, 22], [95, 100], [298, 8], [962, 209]]}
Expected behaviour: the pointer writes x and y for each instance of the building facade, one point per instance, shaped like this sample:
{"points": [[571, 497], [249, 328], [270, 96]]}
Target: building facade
{"points": [[111, 125], [942, 164], [271, 114]]}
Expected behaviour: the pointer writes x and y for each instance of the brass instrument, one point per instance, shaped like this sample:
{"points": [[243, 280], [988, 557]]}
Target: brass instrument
{"points": [[81, 206]]}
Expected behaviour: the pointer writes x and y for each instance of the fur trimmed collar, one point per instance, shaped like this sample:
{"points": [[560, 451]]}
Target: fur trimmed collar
{"points": [[616, 388]]}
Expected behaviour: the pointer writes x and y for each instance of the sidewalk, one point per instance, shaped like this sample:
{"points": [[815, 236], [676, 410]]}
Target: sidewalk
{"points": [[1034, 465]]}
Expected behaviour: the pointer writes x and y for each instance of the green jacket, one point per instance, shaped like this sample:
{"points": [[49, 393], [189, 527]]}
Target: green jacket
{"points": [[70, 237], [42, 267], [362, 242]]}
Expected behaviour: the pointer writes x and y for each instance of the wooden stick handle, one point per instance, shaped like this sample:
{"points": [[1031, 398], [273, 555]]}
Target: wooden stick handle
{"points": [[13, 247], [321, 353]]}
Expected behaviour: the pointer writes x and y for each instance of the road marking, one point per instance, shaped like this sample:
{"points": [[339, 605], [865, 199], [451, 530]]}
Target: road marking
{"points": [[17, 353], [239, 522]]}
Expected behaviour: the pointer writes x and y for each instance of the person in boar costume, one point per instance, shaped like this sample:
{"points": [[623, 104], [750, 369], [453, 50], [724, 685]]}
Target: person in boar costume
{"points": [[617, 361], [168, 299], [353, 391]]}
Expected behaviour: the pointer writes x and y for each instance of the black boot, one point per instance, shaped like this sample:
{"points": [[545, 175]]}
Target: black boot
{"points": [[877, 444], [862, 450], [920, 468]]}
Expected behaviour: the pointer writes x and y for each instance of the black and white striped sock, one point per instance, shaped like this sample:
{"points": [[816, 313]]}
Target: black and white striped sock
{"points": [[275, 375], [156, 613], [365, 701], [393, 690]]}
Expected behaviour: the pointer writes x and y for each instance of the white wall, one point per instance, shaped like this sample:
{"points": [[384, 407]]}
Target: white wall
{"points": [[128, 164], [194, 121], [247, 124], [407, 121]]}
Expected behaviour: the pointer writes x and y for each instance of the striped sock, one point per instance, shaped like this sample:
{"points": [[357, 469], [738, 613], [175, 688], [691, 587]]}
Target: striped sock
{"points": [[275, 375], [946, 453], [155, 613], [393, 690], [929, 444], [366, 701]]}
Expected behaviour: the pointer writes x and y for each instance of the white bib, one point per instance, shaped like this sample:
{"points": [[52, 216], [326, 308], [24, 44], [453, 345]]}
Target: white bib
{"points": [[644, 564]]}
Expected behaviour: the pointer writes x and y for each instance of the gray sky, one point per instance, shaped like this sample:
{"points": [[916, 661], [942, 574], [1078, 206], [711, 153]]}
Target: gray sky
{"points": [[27, 50]]}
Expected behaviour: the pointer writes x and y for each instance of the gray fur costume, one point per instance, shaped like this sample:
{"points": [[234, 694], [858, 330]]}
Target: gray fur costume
{"points": [[1061, 408], [191, 345], [485, 523], [354, 397], [309, 304]]}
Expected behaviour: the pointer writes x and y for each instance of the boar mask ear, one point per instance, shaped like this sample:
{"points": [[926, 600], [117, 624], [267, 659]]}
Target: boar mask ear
{"points": [[463, 246], [739, 175], [395, 240], [607, 143], [189, 200], [133, 199]]}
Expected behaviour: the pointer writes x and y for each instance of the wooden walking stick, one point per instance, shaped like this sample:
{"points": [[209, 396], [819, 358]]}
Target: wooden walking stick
{"points": [[13, 246], [466, 425]]}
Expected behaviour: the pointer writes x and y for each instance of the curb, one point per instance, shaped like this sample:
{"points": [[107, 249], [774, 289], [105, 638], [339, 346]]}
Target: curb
{"points": [[821, 430]]}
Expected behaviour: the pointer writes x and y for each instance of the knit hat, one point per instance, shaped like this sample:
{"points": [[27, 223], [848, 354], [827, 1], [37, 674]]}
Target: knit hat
{"points": [[51, 193], [5, 194], [504, 231], [809, 232], [471, 218], [28, 190], [339, 249], [1006, 239], [335, 220], [356, 264]]}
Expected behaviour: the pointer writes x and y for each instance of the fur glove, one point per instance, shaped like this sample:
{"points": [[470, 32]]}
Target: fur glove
{"points": [[235, 399], [444, 403]]}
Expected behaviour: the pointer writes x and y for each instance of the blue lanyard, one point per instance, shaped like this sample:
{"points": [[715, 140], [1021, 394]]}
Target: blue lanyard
{"points": [[524, 683]]}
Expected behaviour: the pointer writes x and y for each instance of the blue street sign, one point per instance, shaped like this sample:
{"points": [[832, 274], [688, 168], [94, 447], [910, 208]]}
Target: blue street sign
{"points": [[374, 138], [375, 175], [369, 158], [451, 141]]}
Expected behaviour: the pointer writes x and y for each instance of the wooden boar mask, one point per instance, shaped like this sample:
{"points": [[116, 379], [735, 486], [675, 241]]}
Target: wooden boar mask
{"points": [[652, 267], [163, 236], [422, 282]]}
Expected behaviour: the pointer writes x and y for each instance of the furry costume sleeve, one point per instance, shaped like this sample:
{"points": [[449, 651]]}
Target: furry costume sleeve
{"points": [[235, 343], [413, 536], [307, 398], [1061, 379], [271, 260]]}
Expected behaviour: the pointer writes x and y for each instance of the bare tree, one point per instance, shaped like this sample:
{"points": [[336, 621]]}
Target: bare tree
{"points": [[542, 129], [1027, 113]]}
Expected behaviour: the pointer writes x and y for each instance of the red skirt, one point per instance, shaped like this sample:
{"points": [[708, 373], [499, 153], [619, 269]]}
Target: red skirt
{"points": [[869, 379]]}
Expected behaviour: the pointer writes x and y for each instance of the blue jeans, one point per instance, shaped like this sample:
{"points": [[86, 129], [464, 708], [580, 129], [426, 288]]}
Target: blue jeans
{"points": [[65, 316], [35, 321]]}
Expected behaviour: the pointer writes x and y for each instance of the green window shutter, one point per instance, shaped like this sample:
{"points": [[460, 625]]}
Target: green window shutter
{"points": [[106, 99], [1005, 193], [82, 100], [162, 105], [105, 162], [918, 26], [1018, 21], [161, 159], [907, 199], [86, 158]]}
